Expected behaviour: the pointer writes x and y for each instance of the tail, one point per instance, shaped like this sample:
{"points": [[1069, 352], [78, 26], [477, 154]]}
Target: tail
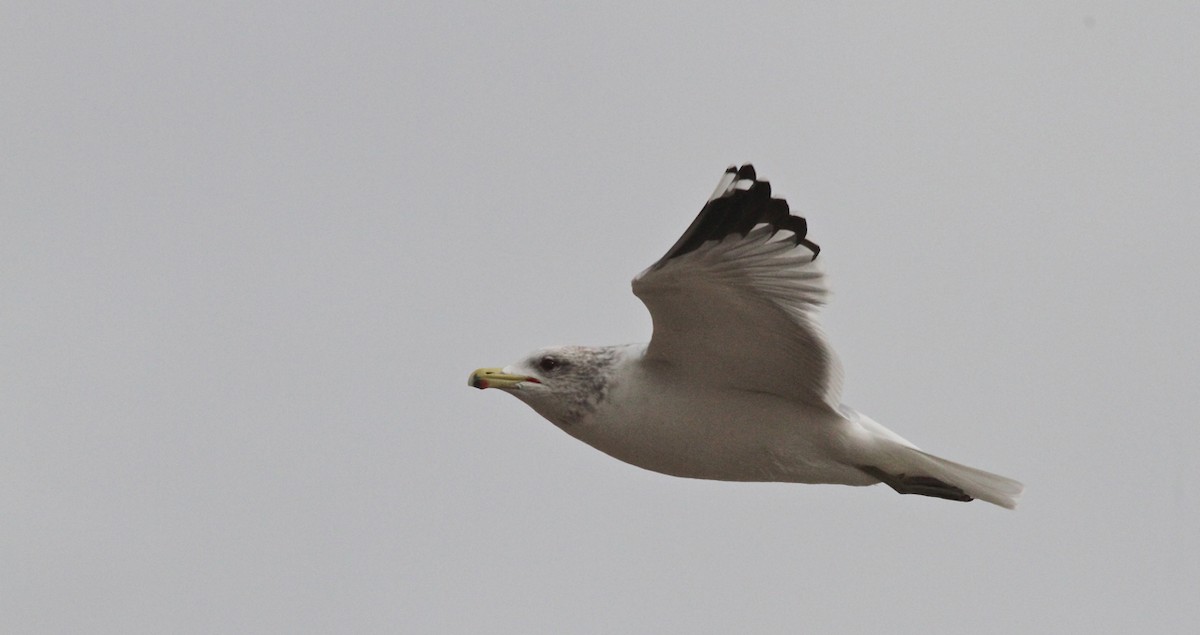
{"points": [[985, 486], [896, 462], [928, 475]]}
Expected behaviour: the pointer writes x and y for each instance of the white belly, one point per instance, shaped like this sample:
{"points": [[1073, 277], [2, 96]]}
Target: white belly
{"points": [[690, 429]]}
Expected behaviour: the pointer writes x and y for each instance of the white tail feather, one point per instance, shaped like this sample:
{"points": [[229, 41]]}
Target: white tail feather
{"points": [[896, 455], [977, 483]]}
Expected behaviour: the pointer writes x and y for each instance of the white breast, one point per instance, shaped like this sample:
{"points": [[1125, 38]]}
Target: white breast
{"points": [[653, 419]]}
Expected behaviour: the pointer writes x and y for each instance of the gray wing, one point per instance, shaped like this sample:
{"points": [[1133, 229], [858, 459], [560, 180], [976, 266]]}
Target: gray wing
{"points": [[734, 301]]}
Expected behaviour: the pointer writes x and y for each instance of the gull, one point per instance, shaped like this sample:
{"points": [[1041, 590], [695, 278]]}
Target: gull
{"points": [[738, 382]]}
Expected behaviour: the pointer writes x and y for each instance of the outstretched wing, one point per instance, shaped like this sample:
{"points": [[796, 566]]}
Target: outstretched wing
{"points": [[734, 301]]}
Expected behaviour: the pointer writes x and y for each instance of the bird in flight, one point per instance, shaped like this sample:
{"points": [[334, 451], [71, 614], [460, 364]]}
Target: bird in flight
{"points": [[737, 383]]}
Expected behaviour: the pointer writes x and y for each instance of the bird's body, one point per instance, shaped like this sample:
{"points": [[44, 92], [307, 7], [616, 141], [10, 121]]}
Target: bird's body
{"points": [[658, 419], [738, 382]]}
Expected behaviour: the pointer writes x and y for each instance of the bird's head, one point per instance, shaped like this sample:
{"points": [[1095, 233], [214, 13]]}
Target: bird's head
{"points": [[562, 383]]}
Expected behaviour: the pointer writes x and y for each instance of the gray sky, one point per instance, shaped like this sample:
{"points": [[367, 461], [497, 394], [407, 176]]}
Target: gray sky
{"points": [[250, 254]]}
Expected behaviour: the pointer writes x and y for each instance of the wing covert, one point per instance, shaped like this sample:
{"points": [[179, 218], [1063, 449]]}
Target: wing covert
{"points": [[734, 299]]}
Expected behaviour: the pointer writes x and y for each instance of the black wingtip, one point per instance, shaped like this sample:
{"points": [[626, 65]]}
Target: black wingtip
{"points": [[746, 202], [919, 485]]}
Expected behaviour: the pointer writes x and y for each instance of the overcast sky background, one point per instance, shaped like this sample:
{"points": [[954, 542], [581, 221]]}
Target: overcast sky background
{"points": [[251, 251]]}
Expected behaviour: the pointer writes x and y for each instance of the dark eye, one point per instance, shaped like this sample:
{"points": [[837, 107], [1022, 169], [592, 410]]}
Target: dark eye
{"points": [[548, 363]]}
